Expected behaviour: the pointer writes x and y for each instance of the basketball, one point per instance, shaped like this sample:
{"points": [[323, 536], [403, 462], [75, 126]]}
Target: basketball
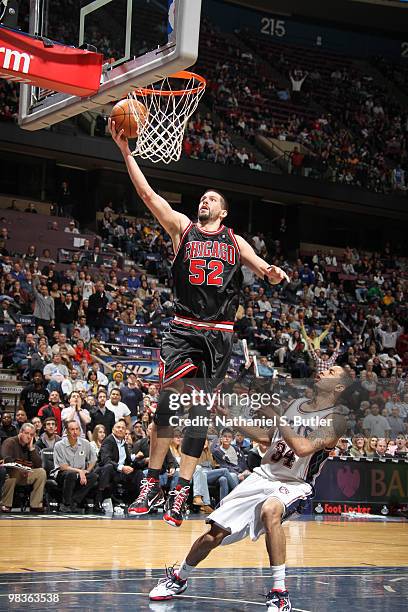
{"points": [[123, 116]]}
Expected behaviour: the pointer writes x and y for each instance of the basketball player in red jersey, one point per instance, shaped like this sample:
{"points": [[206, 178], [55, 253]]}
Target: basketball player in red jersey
{"points": [[207, 280]]}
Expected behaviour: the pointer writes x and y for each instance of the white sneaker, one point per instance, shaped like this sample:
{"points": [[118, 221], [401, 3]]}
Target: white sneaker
{"points": [[168, 587], [278, 601]]}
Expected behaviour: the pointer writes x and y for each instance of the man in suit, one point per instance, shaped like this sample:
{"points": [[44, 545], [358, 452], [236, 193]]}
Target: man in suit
{"points": [[94, 256], [115, 465]]}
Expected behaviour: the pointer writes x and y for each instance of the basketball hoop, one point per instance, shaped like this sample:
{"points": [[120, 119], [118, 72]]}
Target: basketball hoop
{"points": [[169, 105]]}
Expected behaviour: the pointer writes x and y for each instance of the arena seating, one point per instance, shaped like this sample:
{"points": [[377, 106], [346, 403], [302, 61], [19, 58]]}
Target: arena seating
{"points": [[356, 299], [346, 303], [349, 129]]}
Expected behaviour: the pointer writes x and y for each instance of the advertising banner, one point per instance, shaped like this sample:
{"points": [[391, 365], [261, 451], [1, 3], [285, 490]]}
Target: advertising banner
{"points": [[361, 485]]}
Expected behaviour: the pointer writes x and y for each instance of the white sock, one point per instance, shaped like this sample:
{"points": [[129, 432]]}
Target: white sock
{"points": [[184, 570], [278, 575]]}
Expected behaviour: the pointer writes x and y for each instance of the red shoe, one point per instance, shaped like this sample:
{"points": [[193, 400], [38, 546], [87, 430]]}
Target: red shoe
{"points": [[175, 506]]}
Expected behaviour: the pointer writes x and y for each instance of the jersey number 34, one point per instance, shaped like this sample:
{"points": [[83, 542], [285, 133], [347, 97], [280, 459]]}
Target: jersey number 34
{"points": [[206, 272]]}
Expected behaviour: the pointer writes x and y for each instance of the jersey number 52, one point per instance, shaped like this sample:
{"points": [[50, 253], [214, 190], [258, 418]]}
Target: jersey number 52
{"points": [[209, 272]]}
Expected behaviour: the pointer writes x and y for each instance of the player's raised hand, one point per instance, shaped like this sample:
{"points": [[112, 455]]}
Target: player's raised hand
{"points": [[276, 275], [119, 137]]}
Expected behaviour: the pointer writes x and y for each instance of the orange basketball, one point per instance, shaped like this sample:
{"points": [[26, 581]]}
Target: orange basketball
{"points": [[123, 116]]}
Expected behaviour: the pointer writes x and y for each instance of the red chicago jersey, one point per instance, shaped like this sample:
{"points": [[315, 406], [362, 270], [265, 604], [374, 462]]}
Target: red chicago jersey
{"points": [[207, 274]]}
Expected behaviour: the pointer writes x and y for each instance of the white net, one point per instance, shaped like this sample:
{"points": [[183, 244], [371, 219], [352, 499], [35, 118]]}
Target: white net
{"points": [[160, 136]]}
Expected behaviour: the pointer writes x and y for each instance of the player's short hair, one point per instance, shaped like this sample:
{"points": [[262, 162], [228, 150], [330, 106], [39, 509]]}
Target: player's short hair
{"points": [[349, 385], [224, 201], [345, 378]]}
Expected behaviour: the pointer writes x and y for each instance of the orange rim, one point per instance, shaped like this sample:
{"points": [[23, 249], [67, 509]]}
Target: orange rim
{"points": [[183, 74]]}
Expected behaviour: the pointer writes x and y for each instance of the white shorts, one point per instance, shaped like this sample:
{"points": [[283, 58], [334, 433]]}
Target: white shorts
{"points": [[240, 511]]}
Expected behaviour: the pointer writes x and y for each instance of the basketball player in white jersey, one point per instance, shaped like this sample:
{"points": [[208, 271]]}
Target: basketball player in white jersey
{"points": [[276, 489]]}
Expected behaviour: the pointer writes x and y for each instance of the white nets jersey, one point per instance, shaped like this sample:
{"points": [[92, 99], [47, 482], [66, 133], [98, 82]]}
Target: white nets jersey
{"points": [[280, 462]]}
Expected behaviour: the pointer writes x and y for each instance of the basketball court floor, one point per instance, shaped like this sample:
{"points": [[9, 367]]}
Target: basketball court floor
{"points": [[87, 563]]}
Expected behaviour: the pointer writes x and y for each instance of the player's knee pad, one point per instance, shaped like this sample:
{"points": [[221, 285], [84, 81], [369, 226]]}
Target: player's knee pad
{"points": [[195, 435]]}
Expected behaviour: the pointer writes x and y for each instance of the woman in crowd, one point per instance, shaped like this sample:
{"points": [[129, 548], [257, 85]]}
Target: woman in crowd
{"points": [[98, 436], [142, 292], [146, 419], [139, 309], [55, 292], [207, 474], [82, 353], [35, 269], [92, 382], [371, 446], [357, 446]]}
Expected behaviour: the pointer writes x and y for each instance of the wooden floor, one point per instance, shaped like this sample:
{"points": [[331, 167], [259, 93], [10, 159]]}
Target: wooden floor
{"points": [[102, 544]]}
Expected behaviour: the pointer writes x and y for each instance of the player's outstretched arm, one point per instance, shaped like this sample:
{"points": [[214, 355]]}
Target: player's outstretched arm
{"points": [[173, 222], [255, 433], [258, 265], [323, 437]]}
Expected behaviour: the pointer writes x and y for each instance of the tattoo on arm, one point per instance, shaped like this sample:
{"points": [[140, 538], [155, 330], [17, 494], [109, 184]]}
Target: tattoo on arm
{"points": [[326, 437], [321, 438]]}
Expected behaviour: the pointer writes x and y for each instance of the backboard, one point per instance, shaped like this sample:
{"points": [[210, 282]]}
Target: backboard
{"points": [[142, 41]]}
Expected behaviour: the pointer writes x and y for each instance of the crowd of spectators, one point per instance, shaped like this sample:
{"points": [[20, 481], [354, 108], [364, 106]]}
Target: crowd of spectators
{"points": [[350, 129], [348, 309], [206, 140], [60, 324], [8, 100], [358, 139]]}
